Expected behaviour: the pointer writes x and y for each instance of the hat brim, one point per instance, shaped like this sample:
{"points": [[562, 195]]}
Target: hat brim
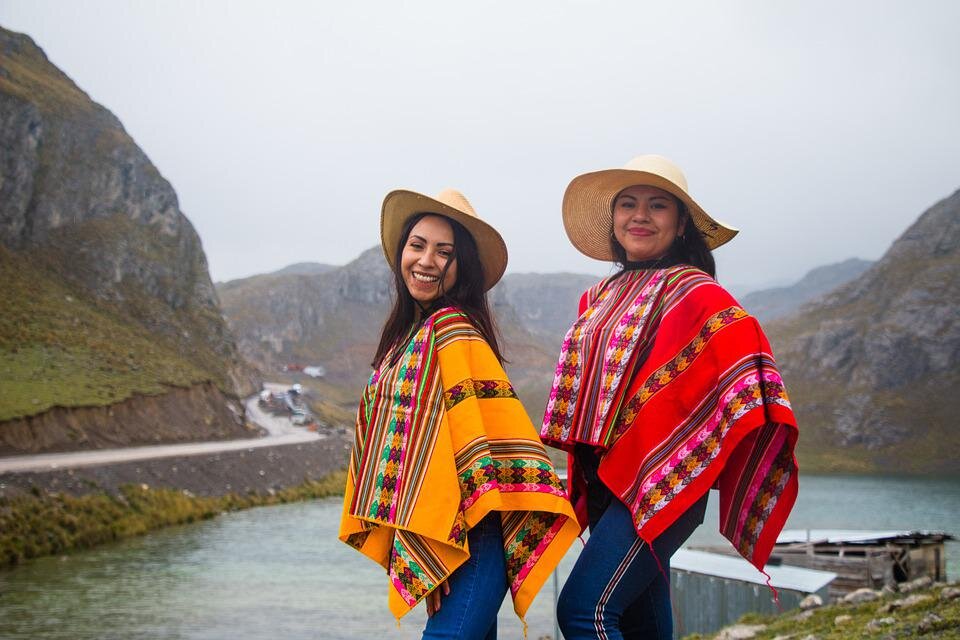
{"points": [[588, 210], [401, 205]]}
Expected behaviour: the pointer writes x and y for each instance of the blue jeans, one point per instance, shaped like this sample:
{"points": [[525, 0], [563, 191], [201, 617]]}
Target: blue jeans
{"points": [[617, 589], [477, 588]]}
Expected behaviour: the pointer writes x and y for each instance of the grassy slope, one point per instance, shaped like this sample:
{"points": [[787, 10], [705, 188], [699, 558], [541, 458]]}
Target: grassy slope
{"points": [[58, 349], [42, 524], [822, 623], [57, 346]]}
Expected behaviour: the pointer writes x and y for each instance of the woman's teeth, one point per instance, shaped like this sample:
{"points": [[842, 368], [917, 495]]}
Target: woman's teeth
{"points": [[424, 278]]}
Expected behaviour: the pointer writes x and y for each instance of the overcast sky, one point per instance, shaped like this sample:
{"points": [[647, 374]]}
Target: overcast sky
{"points": [[821, 129]]}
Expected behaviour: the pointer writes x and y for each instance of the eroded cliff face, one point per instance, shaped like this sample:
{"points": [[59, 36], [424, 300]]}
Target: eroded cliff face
{"points": [[180, 415], [872, 365], [82, 205]]}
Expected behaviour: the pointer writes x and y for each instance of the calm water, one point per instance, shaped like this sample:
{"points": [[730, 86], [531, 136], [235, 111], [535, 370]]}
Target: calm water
{"points": [[279, 572]]}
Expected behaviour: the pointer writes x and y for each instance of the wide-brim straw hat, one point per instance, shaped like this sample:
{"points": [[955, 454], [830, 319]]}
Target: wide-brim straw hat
{"points": [[588, 204], [401, 205]]}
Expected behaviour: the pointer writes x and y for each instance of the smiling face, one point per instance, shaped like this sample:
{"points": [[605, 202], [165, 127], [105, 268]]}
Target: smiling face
{"points": [[646, 221], [428, 249]]}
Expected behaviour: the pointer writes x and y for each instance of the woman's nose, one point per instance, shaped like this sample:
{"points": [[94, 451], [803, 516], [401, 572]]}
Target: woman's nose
{"points": [[427, 258]]}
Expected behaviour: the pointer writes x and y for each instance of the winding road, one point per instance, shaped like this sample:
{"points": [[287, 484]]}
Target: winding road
{"points": [[279, 431]]}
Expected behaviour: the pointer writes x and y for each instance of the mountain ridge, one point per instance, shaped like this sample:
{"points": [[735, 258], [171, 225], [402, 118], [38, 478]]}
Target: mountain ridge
{"points": [[820, 328], [776, 302], [868, 364], [107, 291]]}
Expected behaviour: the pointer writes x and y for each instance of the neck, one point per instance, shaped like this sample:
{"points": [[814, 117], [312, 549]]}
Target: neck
{"points": [[664, 261]]}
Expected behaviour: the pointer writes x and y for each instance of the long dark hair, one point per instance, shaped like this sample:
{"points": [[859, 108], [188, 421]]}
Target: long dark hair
{"points": [[467, 294], [688, 248]]}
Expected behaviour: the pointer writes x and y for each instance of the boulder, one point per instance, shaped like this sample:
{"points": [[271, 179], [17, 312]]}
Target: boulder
{"points": [[861, 595]]}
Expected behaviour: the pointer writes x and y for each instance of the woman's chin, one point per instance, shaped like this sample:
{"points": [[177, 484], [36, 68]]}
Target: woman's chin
{"points": [[423, 295]]}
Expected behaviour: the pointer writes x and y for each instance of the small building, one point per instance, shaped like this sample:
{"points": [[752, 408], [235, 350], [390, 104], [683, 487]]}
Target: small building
{"points": [[710, 590], [314, 371], [866, 558]]}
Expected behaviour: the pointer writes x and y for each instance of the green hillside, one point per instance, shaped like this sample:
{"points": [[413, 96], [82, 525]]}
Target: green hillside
{"points": [[58, 348]]}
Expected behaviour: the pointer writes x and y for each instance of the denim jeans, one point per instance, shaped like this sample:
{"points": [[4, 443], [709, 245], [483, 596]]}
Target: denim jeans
{"points": [[617, 588], [477, 588]]}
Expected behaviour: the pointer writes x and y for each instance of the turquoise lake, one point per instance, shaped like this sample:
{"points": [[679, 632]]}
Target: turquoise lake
{"points": [[279, 572]]}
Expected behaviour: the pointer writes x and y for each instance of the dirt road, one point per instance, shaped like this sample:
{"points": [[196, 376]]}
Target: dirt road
{"points": [[280, 431]]}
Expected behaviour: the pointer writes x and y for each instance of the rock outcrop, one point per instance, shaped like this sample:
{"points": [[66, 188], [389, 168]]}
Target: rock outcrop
{"points": [[334, 318], [83, 207], [871, 366]]}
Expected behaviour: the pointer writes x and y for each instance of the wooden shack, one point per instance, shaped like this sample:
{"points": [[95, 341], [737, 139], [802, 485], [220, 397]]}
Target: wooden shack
{"points": [[865, 558]]}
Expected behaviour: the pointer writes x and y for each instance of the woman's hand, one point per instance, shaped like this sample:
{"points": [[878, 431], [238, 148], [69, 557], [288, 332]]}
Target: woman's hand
{"points": [[433, 599]]}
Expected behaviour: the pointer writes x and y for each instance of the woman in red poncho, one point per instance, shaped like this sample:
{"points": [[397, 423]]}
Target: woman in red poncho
{"points": [[665, 388]]}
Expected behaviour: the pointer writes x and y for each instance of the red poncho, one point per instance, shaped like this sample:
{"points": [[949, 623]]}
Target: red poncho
{"points": [[676, 387]]}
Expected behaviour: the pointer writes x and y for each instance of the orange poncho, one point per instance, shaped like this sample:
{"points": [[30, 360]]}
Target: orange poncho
{"points": [[441, 441]]}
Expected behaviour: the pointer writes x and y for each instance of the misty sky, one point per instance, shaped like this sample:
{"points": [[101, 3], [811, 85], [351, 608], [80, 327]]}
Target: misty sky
{"points": [[821, 129]]}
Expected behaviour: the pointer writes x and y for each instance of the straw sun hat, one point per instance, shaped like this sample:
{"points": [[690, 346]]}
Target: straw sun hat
{"points": [[588, 204], [401, 205]]}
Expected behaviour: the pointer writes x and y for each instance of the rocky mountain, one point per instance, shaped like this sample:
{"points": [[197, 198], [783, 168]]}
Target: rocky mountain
{"points": [[544, 303], [872, 367], [777, 302], [334, 319], [107, 295], [866, 362], [306, 269]]}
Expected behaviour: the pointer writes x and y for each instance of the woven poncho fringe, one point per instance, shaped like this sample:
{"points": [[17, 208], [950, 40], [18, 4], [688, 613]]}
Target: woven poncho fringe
{"points": [[676, 387], [441, 441]]}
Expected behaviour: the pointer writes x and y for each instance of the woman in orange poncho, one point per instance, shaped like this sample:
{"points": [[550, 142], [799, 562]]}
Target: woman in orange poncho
{"points": [[665, 387], [449, 487]]}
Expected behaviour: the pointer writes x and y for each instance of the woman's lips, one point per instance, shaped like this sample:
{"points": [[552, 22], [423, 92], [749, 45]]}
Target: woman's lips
{"points": [[640, 232]]}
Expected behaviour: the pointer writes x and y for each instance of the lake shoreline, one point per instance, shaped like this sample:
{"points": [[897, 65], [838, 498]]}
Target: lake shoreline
{"points": [[62, 510]]}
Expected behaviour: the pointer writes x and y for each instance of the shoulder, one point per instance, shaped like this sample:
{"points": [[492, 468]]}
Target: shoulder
{"points": [[686, 281], [451, 324], [591, 294], [692, 296], [462, 352]]}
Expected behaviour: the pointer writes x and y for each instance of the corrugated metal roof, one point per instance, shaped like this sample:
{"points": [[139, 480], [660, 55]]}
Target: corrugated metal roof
{"points": [[851, 535], [736, 568]]}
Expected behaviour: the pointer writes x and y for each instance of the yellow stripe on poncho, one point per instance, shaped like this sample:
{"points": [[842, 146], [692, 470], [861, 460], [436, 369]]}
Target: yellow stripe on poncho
{"points": [[441, 441]]}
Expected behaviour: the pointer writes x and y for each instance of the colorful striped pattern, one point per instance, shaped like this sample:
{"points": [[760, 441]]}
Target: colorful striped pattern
{"points": [[441, 441], [695, 400], [597, 355]]}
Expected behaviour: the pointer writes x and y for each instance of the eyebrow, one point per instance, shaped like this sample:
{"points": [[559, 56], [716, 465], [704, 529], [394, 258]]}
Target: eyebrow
{"points": [[424, 240], [632, 197]]}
